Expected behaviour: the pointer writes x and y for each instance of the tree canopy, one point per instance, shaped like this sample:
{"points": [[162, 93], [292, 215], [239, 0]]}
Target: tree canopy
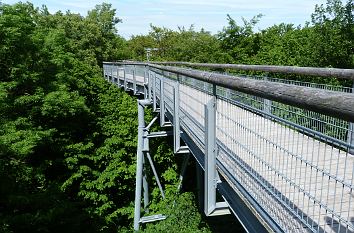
{"points": [[68, 138]]}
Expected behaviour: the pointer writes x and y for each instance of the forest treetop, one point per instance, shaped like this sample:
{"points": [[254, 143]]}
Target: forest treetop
{"points": [[68, 138]]}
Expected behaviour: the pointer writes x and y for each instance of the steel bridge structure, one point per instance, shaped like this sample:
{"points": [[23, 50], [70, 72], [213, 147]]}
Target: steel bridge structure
{"points": [[279, 152]]}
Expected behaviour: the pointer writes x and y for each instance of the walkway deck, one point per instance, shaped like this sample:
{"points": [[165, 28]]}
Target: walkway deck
{"points": [[294, 175]]}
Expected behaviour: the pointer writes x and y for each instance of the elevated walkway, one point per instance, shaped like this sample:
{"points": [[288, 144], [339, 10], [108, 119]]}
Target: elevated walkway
{"points": [[278, 167]]}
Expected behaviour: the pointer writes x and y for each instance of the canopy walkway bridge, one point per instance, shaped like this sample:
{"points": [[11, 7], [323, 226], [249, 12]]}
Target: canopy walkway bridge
{"points": [[279, 152]]}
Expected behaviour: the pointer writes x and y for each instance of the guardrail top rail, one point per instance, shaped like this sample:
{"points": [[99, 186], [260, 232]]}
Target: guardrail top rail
{"points": [[283, 145]]}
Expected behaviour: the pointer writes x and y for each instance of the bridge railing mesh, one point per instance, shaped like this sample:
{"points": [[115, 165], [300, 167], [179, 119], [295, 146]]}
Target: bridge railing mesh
{"points": [[297, 164]]}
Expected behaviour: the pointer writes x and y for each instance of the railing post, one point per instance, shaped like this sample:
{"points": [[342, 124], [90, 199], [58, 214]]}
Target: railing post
{"points": [[111, 79], [162, 102], [351, 132], [124, 77], [134, 80], [117, 72], [211, 207], [210, 156], [267, 104], [176, 123], [104, 72], [146, 73], [154, 107], [150, 79]]}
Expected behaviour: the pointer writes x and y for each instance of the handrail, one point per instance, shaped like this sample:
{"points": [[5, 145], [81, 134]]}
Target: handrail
{"points": [[332, 103], [312, 71]]}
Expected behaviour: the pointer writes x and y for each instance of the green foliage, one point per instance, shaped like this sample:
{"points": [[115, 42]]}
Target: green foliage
{"points": [[56, 129], [182, 216], [181, 45], [68, 138]]}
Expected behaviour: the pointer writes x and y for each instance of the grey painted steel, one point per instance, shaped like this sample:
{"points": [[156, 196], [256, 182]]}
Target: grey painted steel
{"points": [[155, 174], [351, 132], [339, 105], [152, 218], [134, 81], [200, 189], [125, 78], [117, 73], [176, 115], [336, 104], [145, 186], [286, 130], [149, 84], [321, 72], [111, 73], [351, 137], [162, 103], [210, 157], [154, 104], [267, 105], [145, 82], [249, 221], [312, 71], [139, 162], [183, 171]]}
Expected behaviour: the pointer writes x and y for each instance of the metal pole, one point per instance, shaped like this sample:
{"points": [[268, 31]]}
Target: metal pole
{"points": [[267, 104], [183, 171], [155, 174], [134, 80], [351, 132], [125, 78], [210, 157], [154, 107], [199, 173], [146, 73], [162, 102], [139, 162], [118, 81], [104, 72], [176, 124], [149, 83], [145, 186], [111, 73]]}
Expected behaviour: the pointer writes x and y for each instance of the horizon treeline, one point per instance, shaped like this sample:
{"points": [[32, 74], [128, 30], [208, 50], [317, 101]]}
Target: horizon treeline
{"points": [[68, 138], [326, 41]]}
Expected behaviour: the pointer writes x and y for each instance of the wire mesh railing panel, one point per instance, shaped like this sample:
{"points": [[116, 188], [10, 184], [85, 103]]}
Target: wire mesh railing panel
{"points": [[327, 125], [157, 85], [140, 70], [192, 103], [296, 164], [311, 178], [168, 92]]}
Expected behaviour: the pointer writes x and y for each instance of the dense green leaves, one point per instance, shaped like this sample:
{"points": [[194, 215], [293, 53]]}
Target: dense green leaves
{"points": [[68, 138]]}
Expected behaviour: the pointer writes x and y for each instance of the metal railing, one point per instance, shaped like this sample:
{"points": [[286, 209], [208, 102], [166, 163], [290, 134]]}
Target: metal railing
{"points": [[286, 147]]}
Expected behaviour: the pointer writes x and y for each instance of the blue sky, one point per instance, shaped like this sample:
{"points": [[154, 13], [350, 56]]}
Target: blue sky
{"points": [[207, 14]]}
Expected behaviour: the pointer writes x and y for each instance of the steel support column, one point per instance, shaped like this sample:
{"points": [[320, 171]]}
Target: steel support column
{"points": [[139, 162]]}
